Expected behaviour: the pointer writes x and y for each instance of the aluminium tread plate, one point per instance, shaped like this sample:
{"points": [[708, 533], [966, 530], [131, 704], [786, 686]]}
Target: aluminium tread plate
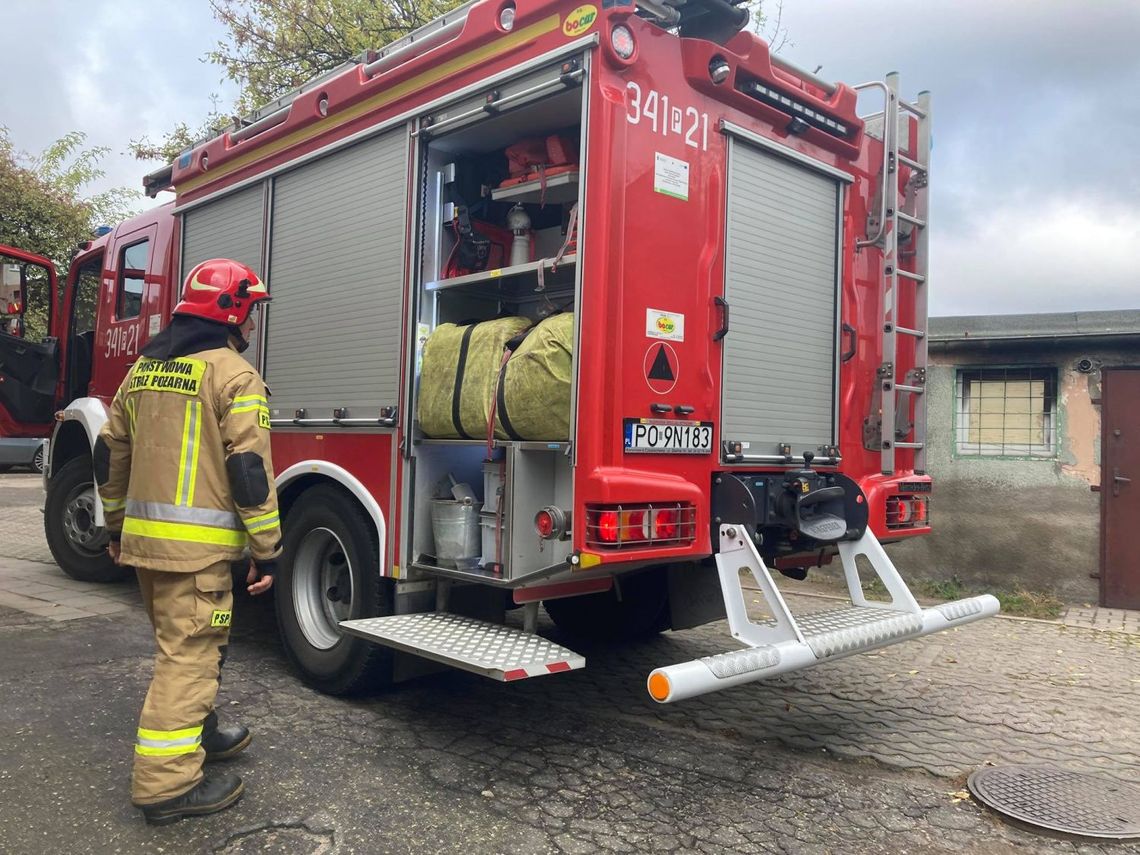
{"points": [[833, 632], [491, 649], [844, 630]]}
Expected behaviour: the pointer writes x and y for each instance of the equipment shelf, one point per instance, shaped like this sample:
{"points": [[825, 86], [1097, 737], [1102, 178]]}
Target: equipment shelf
{"points": [[560, 188], [528, 269]]}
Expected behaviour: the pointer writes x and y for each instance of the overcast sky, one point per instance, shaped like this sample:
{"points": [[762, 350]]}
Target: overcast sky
{"points": [[1036, 165]]}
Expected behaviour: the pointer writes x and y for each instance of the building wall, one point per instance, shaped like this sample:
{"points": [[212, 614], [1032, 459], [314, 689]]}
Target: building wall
{"points": [[1028, 522]]}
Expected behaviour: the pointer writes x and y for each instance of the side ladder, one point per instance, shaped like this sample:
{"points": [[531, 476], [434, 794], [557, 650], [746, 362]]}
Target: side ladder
{"points": [[908, 269], [787, 642]]}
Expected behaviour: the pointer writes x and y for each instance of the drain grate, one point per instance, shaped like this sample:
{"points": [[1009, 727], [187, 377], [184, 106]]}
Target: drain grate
{"points": [[1061, 800]]}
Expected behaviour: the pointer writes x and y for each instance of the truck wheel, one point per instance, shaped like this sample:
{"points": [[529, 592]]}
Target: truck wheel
{"points": [[329, 572], [642, 611], [76, 543]]}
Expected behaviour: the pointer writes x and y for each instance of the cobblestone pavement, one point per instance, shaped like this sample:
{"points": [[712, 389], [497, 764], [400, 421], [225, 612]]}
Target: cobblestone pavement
{"points": [[1094, 617], [22, 519], [29, 587], [865, 754]]}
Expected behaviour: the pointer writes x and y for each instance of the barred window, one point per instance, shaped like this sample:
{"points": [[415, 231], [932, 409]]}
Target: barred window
{"points": [[1006, 412]]}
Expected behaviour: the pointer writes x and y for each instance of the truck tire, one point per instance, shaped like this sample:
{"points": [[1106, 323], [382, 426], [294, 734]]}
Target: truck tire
{"points": [[330, 571], [642, 611], [78, 546]]}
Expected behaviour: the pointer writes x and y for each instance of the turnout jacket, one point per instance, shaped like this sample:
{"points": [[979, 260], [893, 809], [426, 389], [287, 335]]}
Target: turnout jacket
{"points": [[184, 466]]}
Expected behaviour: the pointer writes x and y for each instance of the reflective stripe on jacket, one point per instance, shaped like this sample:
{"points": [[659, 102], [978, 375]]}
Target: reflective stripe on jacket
{"points": [[190, 474]]}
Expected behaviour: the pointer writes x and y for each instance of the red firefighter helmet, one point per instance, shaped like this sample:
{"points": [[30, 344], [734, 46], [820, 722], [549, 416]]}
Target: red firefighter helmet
{"points": [[221, 290]]}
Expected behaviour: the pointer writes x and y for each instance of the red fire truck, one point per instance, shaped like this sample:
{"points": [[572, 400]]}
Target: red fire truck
{"points": [[713, 267]]}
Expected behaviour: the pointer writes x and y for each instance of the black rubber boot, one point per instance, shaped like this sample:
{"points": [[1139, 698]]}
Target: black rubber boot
{"points": [[222, 743], [210, 796]]}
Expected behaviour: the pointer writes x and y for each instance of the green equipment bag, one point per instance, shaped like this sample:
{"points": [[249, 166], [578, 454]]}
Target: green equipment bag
{"points": [[457, 376], [533, 395]]}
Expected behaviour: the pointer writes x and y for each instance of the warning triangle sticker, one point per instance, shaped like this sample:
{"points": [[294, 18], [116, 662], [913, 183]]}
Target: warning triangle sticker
{"points": [[661, 369]]}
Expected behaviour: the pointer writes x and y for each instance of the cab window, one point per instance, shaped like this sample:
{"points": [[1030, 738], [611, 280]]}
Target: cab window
{"points": [[132, 270]]}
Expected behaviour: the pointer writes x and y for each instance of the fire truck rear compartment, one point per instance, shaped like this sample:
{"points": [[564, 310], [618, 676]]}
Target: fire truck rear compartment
{"points": [[468, 192]]}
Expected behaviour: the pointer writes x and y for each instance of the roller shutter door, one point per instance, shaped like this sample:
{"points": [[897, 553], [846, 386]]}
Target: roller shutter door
{"points": [[781, 282], [337, 280]]}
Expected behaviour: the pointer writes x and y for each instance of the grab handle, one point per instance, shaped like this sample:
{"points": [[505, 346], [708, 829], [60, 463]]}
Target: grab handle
{"points": [[723, 331], [849, 331]]}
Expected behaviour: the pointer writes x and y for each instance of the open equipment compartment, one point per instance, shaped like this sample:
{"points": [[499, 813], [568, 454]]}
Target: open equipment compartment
{"points": [[466, 181]]}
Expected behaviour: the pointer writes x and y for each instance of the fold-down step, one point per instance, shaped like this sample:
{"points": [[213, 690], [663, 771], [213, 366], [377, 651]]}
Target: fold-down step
{"points": [[491, 649]]}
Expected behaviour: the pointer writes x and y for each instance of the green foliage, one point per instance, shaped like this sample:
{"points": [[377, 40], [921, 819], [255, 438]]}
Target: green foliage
{"points": [[273, 46], [1035, 604], [43, 209], [768, 22], [1014, 601], [276, 45], [181, 138], [943, 589]]}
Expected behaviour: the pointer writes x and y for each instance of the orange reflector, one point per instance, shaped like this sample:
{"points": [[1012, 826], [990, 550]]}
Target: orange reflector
{"points": [[659, 687]]}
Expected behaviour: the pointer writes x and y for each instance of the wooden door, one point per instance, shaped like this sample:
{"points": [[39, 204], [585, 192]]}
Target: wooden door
{"points": [[1120, 489]]}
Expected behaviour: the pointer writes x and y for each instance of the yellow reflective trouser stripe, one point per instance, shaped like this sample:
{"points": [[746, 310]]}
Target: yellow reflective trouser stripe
{"points": [[262, 522], [144, 733], [165, 743], [188, 457], [183, 531]]}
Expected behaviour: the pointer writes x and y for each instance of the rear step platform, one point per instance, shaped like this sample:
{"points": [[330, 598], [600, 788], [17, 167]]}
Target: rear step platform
{"points": [[490, 649], [787, 642]]}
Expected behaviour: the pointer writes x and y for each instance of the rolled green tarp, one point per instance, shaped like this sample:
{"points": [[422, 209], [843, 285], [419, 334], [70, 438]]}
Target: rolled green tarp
{"points": [[458, 374], [534, 390]]}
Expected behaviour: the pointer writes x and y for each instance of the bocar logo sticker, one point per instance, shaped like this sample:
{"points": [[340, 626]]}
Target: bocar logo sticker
{"points": [[580, 20]]}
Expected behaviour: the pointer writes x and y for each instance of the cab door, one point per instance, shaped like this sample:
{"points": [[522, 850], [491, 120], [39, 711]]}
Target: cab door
{"points": [[29, 352], [130, 287]]}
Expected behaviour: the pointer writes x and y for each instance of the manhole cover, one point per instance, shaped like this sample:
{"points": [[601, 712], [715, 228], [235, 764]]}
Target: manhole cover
{"points": [[1060, 800]]}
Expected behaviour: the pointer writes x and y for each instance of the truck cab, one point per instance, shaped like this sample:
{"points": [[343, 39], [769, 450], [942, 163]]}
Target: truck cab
{"points": [[63, 353]]}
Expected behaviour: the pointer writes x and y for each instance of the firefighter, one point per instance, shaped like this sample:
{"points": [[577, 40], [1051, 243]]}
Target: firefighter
{"points": [[186, 481]]}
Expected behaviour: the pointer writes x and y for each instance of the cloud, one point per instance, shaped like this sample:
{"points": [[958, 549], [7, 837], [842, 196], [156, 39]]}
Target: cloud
{"points": [[1065, 255], [1035, 182], [1035, 185], [114, 69]]}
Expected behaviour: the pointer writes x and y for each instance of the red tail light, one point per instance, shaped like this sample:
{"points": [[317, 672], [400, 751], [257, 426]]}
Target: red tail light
{"points": [[665, 524], [627, 527], [919, 510], [907, 511], [607, 526]]}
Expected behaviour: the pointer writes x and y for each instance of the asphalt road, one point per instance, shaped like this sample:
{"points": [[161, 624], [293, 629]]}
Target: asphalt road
{"points": [[867, 754]]}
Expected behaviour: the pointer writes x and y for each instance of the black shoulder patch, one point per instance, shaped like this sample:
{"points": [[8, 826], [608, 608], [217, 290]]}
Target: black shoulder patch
{"points": [[101, 461], [250, 484]]}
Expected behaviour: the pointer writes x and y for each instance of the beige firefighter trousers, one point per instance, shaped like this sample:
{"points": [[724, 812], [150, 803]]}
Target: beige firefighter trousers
{"points": [[191, 614]]}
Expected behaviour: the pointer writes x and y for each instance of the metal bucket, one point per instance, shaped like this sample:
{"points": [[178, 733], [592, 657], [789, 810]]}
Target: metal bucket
{"points": [[455, 527]]}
